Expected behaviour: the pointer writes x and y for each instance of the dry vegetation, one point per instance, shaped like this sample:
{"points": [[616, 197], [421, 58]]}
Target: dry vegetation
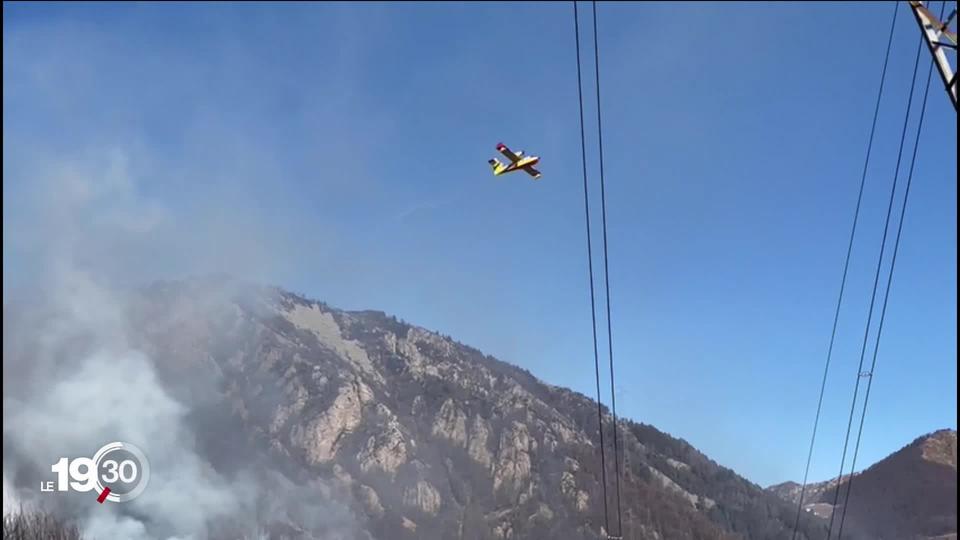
{"points": [[37, 526]]}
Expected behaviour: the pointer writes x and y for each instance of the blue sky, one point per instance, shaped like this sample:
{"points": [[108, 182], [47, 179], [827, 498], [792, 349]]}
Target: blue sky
{"points": [[340, 150]]}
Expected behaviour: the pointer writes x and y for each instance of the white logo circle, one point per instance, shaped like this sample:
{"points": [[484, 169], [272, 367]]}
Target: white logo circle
{"points": [[142, 470]]}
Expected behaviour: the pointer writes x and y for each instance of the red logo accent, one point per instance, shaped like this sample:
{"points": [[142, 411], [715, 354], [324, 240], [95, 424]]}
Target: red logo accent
{"points": [[103, 496]]}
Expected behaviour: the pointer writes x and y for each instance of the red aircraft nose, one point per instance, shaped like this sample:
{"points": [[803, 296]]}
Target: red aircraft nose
{"points": [[500, 146]]}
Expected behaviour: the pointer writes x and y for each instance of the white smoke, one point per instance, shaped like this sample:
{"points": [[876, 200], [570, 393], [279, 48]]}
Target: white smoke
{"points": [[74, 380], [11, 502], [79, 234]]}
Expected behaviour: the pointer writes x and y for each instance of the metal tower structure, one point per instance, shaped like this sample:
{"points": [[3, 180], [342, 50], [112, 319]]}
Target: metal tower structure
{"points": [[939, 39]]}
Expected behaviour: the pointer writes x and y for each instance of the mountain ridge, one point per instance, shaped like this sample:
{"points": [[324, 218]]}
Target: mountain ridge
{"points": [[406, 432], [470, 394]]}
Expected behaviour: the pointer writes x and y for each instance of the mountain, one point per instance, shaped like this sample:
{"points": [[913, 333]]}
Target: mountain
{"points": [[408, 433], [911, 494]]}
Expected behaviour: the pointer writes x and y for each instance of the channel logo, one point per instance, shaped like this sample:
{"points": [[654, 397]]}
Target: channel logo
{"points": [[117, 472]]}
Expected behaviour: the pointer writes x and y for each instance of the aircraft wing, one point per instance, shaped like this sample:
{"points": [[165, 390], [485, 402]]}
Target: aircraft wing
{"points": [[532, 172], [502, 148]]}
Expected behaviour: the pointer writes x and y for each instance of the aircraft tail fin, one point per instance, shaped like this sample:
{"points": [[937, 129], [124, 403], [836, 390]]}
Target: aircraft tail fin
{"points": [[496, 165]]}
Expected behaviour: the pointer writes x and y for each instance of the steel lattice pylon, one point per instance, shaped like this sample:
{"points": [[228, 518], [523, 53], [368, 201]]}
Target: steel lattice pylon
{"points": [[940, 39]]}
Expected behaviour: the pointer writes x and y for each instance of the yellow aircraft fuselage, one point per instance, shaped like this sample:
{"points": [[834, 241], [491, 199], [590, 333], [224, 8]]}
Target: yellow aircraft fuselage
{"points": [[518, 162]]}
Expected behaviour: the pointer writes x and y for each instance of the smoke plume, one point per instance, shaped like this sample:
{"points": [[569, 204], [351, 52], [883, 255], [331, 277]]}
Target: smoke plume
{"points": [[75, 378]]}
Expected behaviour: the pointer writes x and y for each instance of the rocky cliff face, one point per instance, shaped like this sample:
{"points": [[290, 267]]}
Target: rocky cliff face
{"points": [[420, 436], [911, 494]]}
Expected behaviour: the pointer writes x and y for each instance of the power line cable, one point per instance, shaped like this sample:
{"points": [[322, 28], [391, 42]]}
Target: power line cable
{"points": [[876, 281], [886, 294], [593, 309], [606, 275], [846, 266]]}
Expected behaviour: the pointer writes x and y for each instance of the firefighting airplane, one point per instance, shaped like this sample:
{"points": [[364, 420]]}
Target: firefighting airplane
{"points": [[517, 162]]}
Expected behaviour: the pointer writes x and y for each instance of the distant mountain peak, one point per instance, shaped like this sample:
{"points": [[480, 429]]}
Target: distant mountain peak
{"points": [[912, 493]]}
